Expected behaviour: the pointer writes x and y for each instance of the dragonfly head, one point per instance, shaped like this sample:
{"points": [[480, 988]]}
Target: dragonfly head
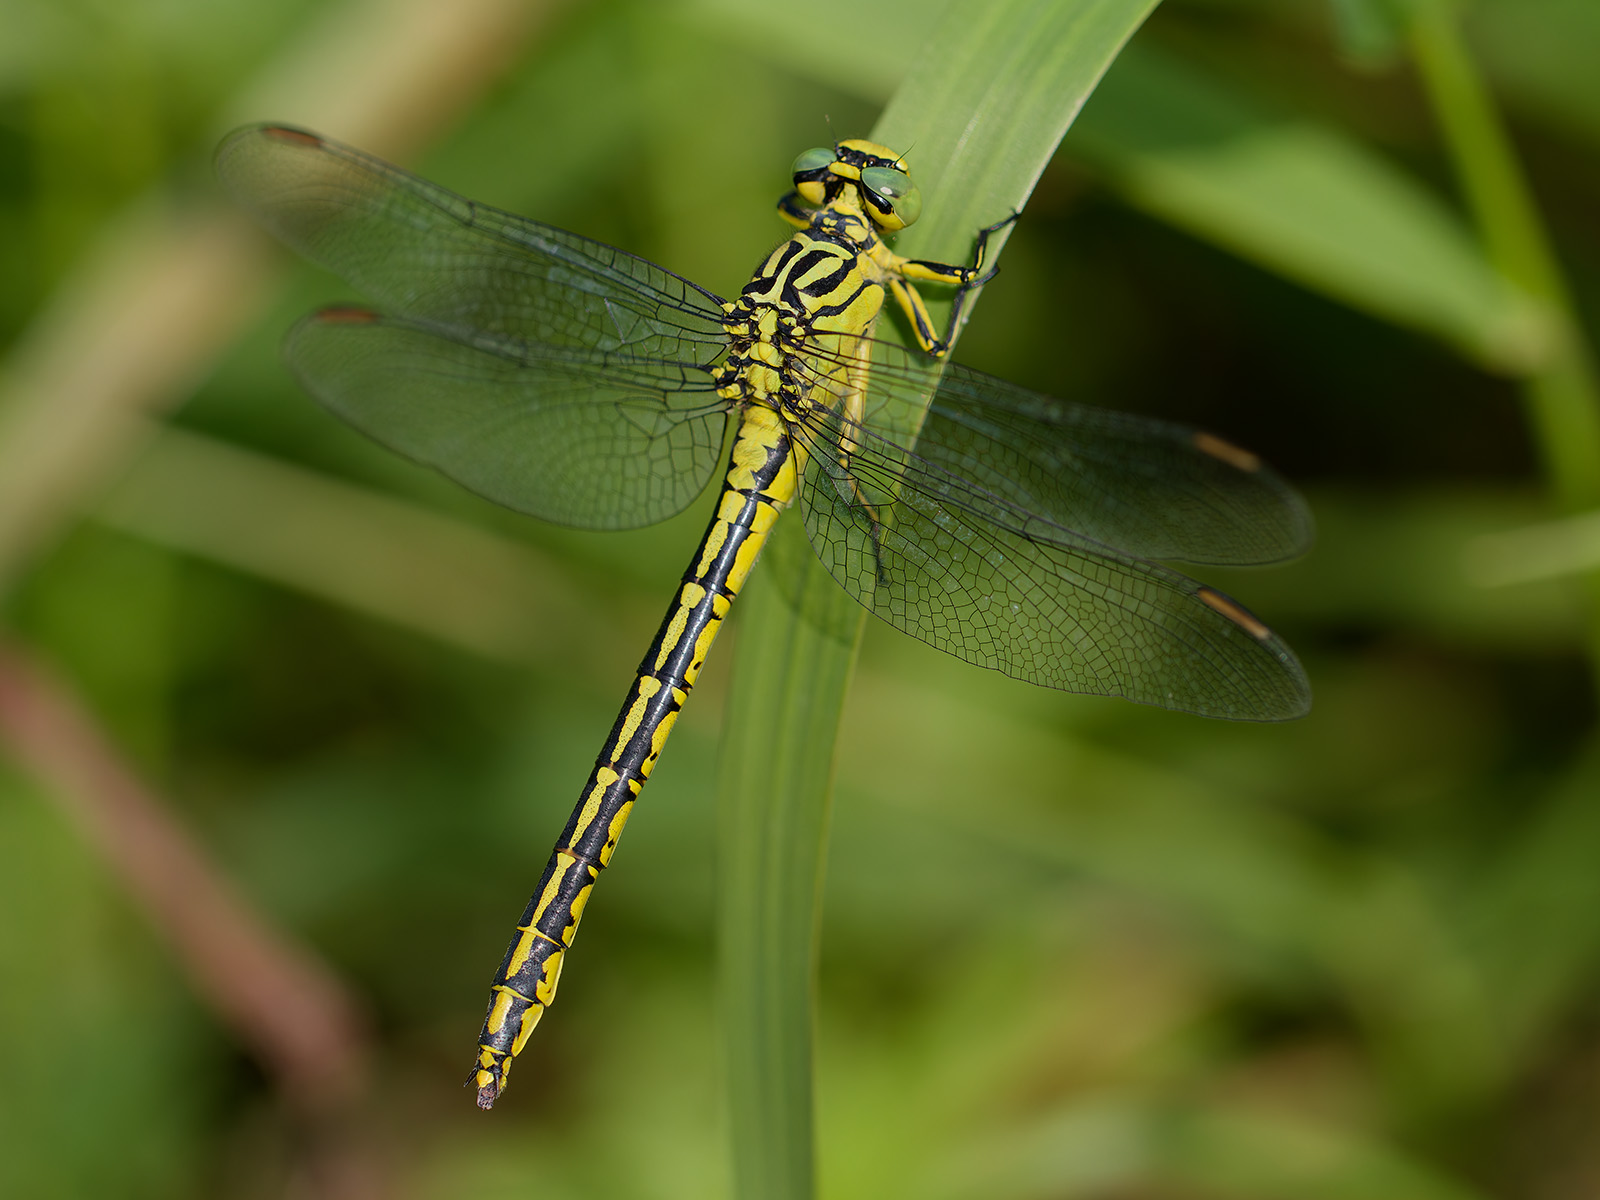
{"points": [[876, 174]]}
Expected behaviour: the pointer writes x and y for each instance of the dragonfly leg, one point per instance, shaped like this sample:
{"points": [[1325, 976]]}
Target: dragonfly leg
{"points": [[965, 279]]}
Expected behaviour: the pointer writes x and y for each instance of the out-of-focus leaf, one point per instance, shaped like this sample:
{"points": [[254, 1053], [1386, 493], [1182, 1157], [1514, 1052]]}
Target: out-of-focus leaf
{"points": [[1403, 560], [1291, 903], [1562, 392], [1369, 31], [1235, 1152], [1052, 1008], [1543, 53], [1301, 199], [1535, 912], [1548, 551], [355, 547], [882, 44], [1249, 1153]]}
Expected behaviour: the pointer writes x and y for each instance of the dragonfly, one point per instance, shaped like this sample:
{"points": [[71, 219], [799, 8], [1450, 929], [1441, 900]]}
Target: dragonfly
{"points": [[587, 386]]}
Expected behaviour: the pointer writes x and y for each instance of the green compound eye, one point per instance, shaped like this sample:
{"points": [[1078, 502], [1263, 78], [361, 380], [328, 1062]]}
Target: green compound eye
{"points": [[817, 159], [903, 197]]}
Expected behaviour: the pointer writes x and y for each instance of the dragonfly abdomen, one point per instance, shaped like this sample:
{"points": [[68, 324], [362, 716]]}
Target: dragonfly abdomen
{"points": [[760, 482]]}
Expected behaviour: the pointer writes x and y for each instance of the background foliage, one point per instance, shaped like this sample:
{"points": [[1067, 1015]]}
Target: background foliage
{"points": [[1071, 947]]}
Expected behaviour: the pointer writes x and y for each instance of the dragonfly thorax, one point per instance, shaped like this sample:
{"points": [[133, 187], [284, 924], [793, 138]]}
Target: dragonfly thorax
{"points": [[810, 302]]}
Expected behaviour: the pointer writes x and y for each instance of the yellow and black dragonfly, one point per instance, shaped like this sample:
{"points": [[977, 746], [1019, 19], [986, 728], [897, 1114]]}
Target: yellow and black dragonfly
{"points": [[584, 385]]}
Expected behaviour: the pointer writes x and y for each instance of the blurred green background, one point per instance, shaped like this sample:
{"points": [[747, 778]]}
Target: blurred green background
{"points": [[1071, 947]]}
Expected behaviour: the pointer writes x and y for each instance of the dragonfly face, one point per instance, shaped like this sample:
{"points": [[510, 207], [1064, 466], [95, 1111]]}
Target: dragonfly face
{"points": [[582, 384], [882, 178]]}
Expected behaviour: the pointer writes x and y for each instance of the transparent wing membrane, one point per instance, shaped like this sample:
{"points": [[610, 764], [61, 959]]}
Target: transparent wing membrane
{"points": [[422, 251], [579, 438], [572, 381], [1152, 488], [964, 570]]}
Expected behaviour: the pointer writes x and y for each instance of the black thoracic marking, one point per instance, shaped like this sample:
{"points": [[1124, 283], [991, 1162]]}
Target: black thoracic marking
{"points": [[785, 257], [822, 284], [830, 283], [809, 259], [830, 310], [793, 290]]}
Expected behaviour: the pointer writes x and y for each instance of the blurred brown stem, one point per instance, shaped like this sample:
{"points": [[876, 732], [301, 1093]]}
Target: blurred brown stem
{"points": [[298, 1020]]}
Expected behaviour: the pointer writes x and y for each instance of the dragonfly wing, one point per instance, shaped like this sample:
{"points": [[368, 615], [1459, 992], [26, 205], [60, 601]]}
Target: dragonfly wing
{"points": [[1003, 588], [1151, 488], [422, 251], [575, 437]]}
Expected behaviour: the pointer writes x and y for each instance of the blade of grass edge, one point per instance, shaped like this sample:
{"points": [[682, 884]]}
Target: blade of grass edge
{"points": [[1562, 395], [987, 101]]}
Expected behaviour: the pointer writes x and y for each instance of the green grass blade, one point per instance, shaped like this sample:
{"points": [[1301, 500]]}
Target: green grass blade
{"points": [[984, 106], [1563, 396], [1563, 393], [794, 662]]}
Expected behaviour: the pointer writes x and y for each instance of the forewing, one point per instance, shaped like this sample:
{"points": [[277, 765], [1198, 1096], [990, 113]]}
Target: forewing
{"points": [[421, 251], [966, 571], [1152, 489], [578, 437]]}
